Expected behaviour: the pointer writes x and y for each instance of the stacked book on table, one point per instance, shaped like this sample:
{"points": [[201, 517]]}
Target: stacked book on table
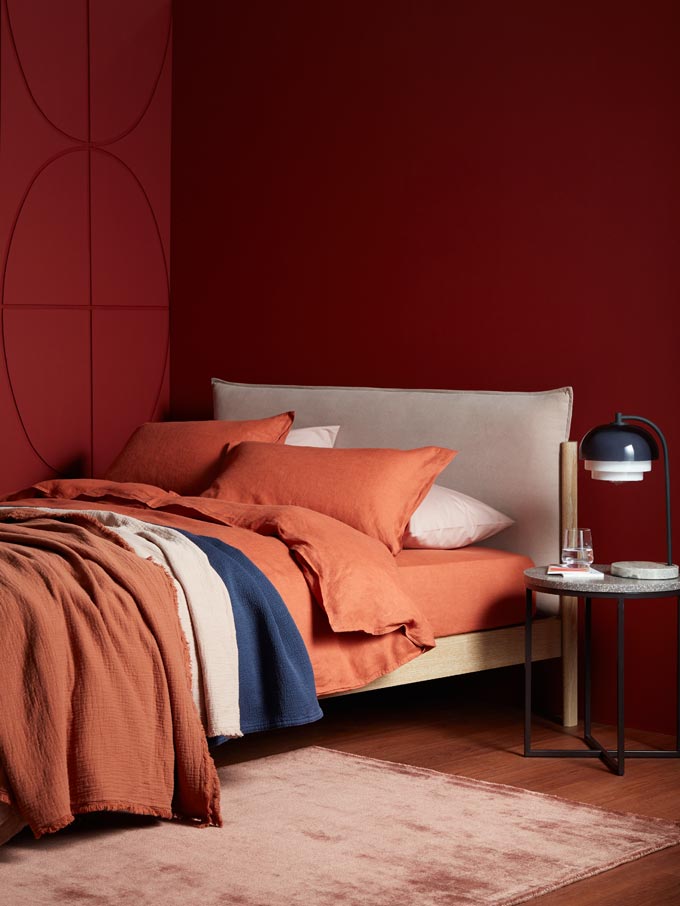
{"points": [[560, 571]]}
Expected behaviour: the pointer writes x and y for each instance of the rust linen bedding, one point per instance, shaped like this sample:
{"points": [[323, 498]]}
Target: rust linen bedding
{"points": [[96, 711], [342, 588], [465, 590]]}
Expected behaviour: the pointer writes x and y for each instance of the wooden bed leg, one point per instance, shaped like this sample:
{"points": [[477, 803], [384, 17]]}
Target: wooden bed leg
{"points": [[569, 613], [569, 605]]}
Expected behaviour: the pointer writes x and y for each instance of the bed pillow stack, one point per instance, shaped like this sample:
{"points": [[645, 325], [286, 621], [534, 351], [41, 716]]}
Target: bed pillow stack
{"points": [[388, 494], [444, 520], [373, 490]]}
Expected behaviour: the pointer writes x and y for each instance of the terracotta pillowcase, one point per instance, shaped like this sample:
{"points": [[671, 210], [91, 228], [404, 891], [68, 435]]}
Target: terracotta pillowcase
{"points": [[185, 456], [373, 490]]}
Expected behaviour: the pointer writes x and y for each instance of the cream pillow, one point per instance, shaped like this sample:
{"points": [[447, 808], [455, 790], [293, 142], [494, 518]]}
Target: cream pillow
{"points": [[447, 519], [323, 436]]}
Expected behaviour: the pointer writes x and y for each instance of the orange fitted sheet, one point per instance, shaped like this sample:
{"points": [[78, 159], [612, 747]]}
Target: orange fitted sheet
{"points": [[467, 589]]}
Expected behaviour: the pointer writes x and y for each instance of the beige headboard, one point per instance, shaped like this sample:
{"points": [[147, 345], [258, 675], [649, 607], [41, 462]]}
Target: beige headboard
{"points": [[508, 443]]}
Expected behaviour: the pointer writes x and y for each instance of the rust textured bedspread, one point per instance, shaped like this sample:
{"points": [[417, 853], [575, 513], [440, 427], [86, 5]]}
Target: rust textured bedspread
{"points": [[96, 711], [342, 588]]}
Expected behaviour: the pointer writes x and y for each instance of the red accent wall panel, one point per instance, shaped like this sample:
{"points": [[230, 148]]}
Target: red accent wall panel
{"points": [[442, 194], [47, 361], [84, 230]]}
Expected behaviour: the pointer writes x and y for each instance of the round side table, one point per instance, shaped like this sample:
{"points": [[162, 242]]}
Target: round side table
{"points": [[620, 590]]}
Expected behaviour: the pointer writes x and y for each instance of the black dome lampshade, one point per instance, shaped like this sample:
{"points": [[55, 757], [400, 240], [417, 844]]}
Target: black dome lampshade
{"points": [[618, 452], [621, 452]]}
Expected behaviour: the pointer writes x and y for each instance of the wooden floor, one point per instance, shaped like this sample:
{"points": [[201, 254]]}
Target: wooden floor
{"points": [[472, 725]]}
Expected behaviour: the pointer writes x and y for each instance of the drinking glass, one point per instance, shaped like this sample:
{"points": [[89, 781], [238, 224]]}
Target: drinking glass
{"points": [[577, 549]]}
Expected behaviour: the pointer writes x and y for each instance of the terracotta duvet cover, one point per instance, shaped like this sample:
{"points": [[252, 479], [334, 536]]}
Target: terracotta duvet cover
{"points": [[328, 574]]}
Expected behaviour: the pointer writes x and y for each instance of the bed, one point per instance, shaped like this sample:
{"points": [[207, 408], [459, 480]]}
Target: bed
{"points": [[311, 606], [514, 454]]}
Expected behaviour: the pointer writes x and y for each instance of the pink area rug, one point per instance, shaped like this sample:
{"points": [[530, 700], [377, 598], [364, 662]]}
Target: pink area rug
{"points": [[315, 827]]}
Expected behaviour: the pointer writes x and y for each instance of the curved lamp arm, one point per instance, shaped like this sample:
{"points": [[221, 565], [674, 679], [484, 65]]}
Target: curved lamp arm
{"points": [[624, 419]]}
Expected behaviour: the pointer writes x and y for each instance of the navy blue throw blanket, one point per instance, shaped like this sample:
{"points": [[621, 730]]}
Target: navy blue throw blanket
{"points": [[276, 681]]}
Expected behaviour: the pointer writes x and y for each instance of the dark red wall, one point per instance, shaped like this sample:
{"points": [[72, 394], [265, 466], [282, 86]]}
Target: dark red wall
{"points": [[442, 194], [84, 230]]}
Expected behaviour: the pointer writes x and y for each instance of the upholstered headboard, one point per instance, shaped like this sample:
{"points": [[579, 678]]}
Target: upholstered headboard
{"points": [[508, 443]]}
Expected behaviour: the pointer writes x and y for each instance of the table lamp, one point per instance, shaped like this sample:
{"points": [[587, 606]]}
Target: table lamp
{"points": [[621, 452]]}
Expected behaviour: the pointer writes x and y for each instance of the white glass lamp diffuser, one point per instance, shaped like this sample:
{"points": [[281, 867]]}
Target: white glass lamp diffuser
{"points": [[621, 452]]}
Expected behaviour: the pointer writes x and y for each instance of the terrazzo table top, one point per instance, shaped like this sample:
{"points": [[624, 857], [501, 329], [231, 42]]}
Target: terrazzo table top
{"points": [[610, 586]]}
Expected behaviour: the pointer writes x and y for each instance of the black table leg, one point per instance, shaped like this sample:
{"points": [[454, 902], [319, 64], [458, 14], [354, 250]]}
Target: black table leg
{"points": [[620, 698], [677, 681], [587, 635], [527, 669], [615, 765]]}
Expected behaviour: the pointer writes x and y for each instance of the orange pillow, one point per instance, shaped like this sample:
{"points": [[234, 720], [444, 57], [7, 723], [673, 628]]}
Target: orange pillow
{"points": [[373, 490], [185, 456]]}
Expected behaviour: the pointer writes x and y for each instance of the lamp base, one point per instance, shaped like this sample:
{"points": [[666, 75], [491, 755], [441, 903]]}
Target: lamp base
{"points": [[644, 569]]}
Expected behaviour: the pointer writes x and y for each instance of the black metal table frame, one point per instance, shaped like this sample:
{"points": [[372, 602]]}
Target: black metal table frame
{"points": [[614, 759]]}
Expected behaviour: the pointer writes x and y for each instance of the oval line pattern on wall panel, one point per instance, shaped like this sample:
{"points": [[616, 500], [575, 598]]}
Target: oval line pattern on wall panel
{"points": [[50, 268], [39, 21], [129, 44], [124, 386], [56, 208], [48, 359], [5, 303], [11, 12], [106, 153]]}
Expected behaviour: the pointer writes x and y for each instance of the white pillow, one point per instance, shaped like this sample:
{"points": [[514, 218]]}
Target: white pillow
{"points": [[447, 519], [313, 437]]}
